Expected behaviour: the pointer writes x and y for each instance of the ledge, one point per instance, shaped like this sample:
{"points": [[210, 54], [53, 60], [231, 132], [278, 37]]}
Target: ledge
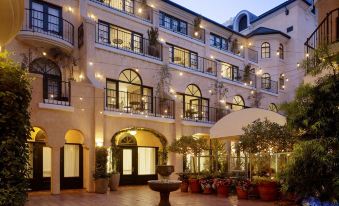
{"points": [[192, 71], [56, 107], [138, 116], [227, 53], [197, 124], [270, 93], [182, 36], [240, 84]]}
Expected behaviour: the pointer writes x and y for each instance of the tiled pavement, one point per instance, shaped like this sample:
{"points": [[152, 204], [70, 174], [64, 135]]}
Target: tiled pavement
{"points": [[135, 196]]}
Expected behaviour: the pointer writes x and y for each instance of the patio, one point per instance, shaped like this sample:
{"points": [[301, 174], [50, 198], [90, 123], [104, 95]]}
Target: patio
{"points": [[134, 196]]}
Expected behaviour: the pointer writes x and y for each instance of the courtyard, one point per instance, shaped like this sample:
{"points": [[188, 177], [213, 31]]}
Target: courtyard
{"points": [[135, 196]]}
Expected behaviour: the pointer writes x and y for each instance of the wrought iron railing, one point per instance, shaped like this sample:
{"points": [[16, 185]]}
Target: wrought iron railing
{"points": [[115, 37], [202, 113], [132, 8], [252, 55], [269, 85], [56, 92], [326, 33], [44, 23], [237, 75], [126, 102], [193, 61]]}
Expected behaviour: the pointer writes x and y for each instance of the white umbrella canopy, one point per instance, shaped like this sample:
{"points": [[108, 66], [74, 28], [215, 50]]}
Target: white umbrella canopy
{"points": [[231, 125], [11, 15]]}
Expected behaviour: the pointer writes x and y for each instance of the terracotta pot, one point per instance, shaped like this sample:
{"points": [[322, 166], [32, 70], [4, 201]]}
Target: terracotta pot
{"points": [[208, 190], [101, 185], [114, 182], [223, 191], [268, 191], [184, 187], [253, 191], [194, 185], [242, 194]]}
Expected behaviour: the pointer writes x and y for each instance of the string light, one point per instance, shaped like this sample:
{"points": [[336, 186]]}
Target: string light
{"points": [[181, 73], [44, 53], [90, 63]]}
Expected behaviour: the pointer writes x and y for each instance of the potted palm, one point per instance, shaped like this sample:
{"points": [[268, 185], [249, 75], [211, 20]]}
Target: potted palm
{"points": [[115, 162], [101, 176]]}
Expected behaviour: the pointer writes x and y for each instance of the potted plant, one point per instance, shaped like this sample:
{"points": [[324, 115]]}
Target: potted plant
{"points": [[115, 162], [101, 176], [247, 74], [242, 188], [206, 185], [196, 25], [194, 183], [268, 188], [153, 48], [222, 186], [183, 177]]}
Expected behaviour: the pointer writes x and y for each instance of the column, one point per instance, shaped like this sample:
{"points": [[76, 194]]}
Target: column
{"points": [[55, 177]]}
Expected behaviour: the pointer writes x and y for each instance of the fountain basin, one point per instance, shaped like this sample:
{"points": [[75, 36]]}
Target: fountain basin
{"points": [[165, 187]]}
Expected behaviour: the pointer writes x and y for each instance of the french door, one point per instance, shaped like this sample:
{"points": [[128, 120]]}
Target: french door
{"points": [[40, 165], [71, 166], [138, 165]]}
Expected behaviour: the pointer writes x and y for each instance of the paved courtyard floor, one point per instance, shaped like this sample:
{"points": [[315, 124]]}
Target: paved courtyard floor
{"points": [[136, 196]]}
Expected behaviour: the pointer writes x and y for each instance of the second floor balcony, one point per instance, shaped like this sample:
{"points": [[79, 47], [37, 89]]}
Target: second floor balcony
{"points": [[202, 113], [233, 73]]}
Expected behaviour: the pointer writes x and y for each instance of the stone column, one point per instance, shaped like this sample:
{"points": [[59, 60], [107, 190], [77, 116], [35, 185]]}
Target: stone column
{"points": [[55, 177]]}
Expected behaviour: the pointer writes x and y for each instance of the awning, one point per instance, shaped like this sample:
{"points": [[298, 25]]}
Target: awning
{"points": [[231, 125]]}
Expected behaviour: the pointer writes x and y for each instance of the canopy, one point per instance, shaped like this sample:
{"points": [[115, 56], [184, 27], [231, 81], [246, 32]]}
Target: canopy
{"points": [[231, 125]]}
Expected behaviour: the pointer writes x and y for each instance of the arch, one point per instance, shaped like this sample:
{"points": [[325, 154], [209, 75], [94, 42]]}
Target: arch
{"points": [[281, 51], [242, 15], [45, 66], [130, 76], [265, 50], [266, 81], [38, 135], [238, 103], [74, 136], [193, 90], [273, 107]]}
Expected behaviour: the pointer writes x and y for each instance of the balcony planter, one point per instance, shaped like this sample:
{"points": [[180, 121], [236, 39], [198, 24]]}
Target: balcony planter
{"points": [[194, 185], [268, 191], [114, 181]]}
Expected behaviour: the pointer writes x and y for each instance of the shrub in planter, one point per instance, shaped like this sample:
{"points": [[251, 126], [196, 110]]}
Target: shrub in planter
{"points": [[243, 187], [115, 175], [206, 186], [268, 188], [101, 176], [194, 185], [222, 186], [183, 177]]}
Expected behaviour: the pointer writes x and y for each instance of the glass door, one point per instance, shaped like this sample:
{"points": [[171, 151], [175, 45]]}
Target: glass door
{"points": [[128, 162], [71, 166]]}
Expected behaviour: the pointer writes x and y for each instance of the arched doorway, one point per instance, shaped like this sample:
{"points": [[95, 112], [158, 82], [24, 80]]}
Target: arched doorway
{"points": [[71, 161], [141, 151], [39, 161]]}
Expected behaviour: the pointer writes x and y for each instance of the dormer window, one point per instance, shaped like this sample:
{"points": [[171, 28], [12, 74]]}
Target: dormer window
{"points": [[243, 23]]}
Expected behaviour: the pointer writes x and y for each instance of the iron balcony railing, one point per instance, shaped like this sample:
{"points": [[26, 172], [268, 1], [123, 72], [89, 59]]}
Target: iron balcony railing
{"points": [[133, 103], [326, 33], [252, 55], [233, 73], [56, 92], [269, 85], [115, 37], [44, 23], [202, 113], [193, 61], [189, 31], [133, 8], [235, 50]]}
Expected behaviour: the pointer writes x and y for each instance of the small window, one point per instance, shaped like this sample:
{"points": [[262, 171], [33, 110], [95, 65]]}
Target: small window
{"points": [[243, 23], [265, 50], [289, 29]]}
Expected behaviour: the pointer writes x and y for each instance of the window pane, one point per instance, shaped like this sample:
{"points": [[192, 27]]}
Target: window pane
{"points": [[71, 160], [146, 161], [46, 161], [127, 162], [53, 20], [37, 15], [226, 71]]}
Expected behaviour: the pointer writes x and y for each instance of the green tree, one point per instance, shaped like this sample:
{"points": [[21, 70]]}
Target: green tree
{"points": [[15, 97]]}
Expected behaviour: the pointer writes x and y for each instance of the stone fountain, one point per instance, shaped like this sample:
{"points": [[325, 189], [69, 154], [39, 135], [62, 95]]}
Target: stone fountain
{"points": [[164, 185]]}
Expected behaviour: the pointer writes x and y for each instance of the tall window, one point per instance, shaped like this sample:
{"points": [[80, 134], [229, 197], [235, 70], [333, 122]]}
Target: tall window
{"points": [[46, 17], [265, 50], [195, 106], [218, 42], [238, 103], [183, 57], [51, 77], [229, 71], [243, 23], [171, 23], [119, 37], [266, 81], [281, 51], [282, 81]]}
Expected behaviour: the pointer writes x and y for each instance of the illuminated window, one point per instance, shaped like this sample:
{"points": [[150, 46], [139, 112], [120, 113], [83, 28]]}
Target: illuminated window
{"points": [[266, 81], [265, 50], [238, 103]]}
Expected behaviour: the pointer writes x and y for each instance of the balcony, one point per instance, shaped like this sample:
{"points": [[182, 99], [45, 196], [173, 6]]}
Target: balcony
{"points": [[135, 9], [193, 62], [269, 86], [326, 33], [57, 92], [39, 27], [122, 39], [133, 103], [203, 114], [252, 55], [234, 74]]}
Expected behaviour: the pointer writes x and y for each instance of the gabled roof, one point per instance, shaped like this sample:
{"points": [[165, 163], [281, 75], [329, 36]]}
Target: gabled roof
{"points": [[266, 31]]}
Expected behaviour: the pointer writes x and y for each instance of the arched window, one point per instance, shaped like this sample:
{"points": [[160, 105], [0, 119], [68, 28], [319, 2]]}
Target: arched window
{"points": [[51, 77], [243, 23], [238, 103], [266, 81], [128, 140], [281, 51], [273, 107], [195, 106], [282, 81], [265, 50], [128, 93]]}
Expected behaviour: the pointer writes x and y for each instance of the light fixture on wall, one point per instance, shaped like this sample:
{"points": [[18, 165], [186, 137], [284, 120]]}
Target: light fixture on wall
{"points": [[44, 53], [140, 10], [132, 132]]}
